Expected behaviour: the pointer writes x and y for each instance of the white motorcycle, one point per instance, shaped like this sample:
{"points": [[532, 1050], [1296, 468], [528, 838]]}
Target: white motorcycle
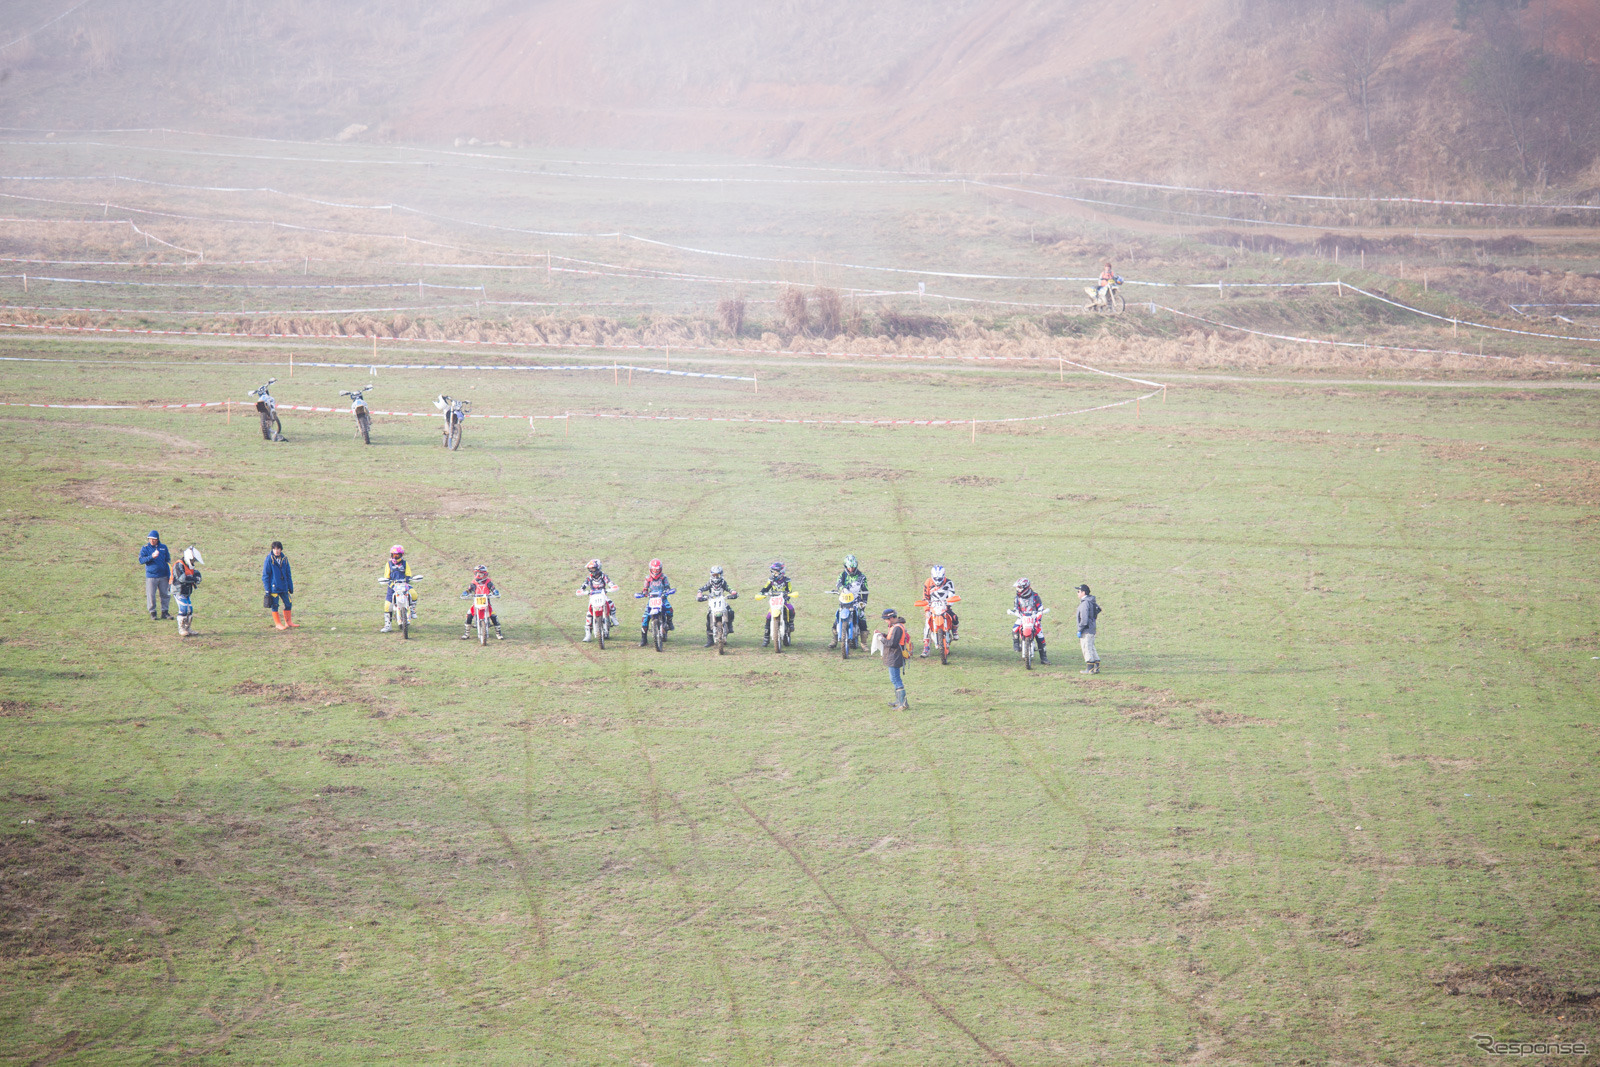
{"points": [[358, 408], [598, 616], [717, 607], [455, 413], [267, 408], [1109, 301], [401, 607]]}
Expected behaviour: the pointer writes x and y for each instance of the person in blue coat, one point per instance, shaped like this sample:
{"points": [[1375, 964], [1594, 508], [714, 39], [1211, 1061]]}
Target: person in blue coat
{"points": [[277, 581], [157, 564]]}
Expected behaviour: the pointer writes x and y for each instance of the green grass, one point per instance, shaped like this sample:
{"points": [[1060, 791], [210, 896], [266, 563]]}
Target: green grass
{"points": [[1339, 764]]}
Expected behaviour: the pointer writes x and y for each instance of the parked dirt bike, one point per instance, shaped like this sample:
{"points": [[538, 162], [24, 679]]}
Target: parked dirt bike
{"points": [[1029, 623], [455, 413], [597, 616], [480, 613], [657, 626], [936, 627], [267, 408], [778, 622], [358, 408], [1110, 301], [719, 618], [847, 621], [400, 606]]}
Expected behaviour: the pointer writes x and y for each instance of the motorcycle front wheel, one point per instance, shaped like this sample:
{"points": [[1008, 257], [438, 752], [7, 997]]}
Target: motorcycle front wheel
{"points": [[1118, 304], [405, 625], [483, 629], [845, 637], [658, 632], [944, 646], [775, 628], [364, 424], [600, 633], [720, 636], [452, 439], [1027, 653]]}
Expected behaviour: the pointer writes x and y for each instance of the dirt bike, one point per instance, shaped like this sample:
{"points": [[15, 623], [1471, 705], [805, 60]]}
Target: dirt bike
{"points": [[719, 617], [358, 408], [1029, 623], [657, 625], [847, 621], [1111, 300], [455, 413], [778, 621], [480, 613], [597, 616], [936, 627], [401, 603], [267, 408]]}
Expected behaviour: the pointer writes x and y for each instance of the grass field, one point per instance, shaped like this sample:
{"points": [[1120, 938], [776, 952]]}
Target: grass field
{"points": [[1331, 801]]}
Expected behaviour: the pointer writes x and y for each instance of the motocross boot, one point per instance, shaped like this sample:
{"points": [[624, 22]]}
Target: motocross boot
{"points": [[588, 629], [709, 641], [644, 638], [387, 628], [466, 632], [1016, 643], [498, 636]]}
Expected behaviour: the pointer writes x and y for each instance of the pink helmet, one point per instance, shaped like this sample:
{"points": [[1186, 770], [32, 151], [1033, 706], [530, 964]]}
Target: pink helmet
{"points": [[398, 550], [655, 568]]}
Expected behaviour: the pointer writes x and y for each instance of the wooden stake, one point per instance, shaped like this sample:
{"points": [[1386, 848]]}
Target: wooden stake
{"points": [[1136, 408], [229, 419], [669, 357], [565, 420], [614, 379], [756, 377], [374, 348], [1163, 394], [974, 429], [1061, 371], [291, 364], [24, 283]]}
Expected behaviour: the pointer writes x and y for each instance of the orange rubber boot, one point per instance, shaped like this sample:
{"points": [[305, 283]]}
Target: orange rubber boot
{"points": [[288, 620], [277, 620]]}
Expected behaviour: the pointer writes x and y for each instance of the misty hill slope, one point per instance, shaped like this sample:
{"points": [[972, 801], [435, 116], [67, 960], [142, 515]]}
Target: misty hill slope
{"points": [[1427, 96]]}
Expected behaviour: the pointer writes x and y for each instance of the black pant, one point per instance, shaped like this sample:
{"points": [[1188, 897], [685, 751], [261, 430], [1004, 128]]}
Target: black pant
{"points": [[494, 620], [708, 622]]}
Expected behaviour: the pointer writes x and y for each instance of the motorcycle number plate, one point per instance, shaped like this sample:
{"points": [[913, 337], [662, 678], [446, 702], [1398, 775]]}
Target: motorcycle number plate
{"points": [[776, 603], [847, 597], [655, 602], [597, 601], [480, 601], [938, 607]]}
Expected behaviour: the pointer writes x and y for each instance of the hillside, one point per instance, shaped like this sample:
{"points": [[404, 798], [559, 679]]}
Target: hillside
{"points": [[1422, 95]]}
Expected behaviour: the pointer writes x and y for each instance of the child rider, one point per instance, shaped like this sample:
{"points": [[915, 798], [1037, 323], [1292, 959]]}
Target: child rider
{"points": [[779, 583], [1028, 603], [717, 586], [185, 576], [654, 585], [397, 567], [597, 581], [481, 586]]}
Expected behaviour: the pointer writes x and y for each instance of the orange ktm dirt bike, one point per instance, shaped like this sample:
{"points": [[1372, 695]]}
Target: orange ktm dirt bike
{"points": [[936, 628]]}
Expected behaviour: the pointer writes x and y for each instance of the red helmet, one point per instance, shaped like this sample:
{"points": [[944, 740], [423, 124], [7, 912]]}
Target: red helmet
{"points": [[655, 568], [481, 569], [398, 550]]}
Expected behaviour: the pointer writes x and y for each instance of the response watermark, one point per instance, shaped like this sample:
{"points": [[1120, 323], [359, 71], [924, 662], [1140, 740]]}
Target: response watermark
{"points": [[1488, 1044]]}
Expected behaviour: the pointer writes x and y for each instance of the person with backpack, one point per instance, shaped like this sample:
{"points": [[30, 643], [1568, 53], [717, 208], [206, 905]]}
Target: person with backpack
{"points": [[1088, 611], [896, 643]]}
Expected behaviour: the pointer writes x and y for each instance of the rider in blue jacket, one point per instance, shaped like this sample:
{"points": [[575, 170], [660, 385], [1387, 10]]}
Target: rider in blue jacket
{"points": [[655, 585]]}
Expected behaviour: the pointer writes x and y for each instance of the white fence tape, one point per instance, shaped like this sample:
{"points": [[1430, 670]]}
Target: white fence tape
{"points": [[1363, 344], [587, 367], [1464, 322]]}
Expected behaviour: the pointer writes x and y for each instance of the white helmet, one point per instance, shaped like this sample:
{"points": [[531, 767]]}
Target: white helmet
{"points": [[191, 556], [938, 574]]}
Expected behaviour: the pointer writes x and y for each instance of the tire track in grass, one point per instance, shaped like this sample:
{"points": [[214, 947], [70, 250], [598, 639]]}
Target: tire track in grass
{"points": [[395, 881], [859, 932], [1184, 1004]]}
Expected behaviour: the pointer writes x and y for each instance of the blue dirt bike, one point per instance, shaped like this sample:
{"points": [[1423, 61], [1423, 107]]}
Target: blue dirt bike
{"points": [[847, 620], [655, 615]]}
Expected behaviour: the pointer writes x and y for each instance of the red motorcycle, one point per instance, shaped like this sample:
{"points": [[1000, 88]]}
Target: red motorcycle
{"points": [[600, 615], [1027, 631], [480, 612]]}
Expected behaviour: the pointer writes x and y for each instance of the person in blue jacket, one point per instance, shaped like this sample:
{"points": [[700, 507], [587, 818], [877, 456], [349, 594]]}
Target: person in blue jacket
{"points": [[278, 582], [157, 563]]}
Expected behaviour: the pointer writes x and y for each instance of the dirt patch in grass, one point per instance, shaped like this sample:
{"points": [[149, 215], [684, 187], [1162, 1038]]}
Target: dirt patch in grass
{"points": [[296, 693], [976, 481], [172, 441], [346, 759], [1451, 763], [15, 709], [1528, 988], [1142, 703], [1217, 717]]}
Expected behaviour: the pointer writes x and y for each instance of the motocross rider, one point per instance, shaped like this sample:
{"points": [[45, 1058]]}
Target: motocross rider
{"points": [[1107, 278], [655, 585], [937, 581], [717, 586], [397, 567], [185, 576], [481, 586], [597, 581], [779, 583], [1029, 602], [853, 575]]}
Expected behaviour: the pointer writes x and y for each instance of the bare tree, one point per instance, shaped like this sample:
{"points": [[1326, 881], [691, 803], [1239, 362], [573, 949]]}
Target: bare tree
{"points": [[830, 311], [792, 306], [730, 313]]}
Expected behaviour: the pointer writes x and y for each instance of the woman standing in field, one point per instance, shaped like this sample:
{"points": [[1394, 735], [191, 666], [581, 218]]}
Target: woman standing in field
{"points": [[277, 580]]}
